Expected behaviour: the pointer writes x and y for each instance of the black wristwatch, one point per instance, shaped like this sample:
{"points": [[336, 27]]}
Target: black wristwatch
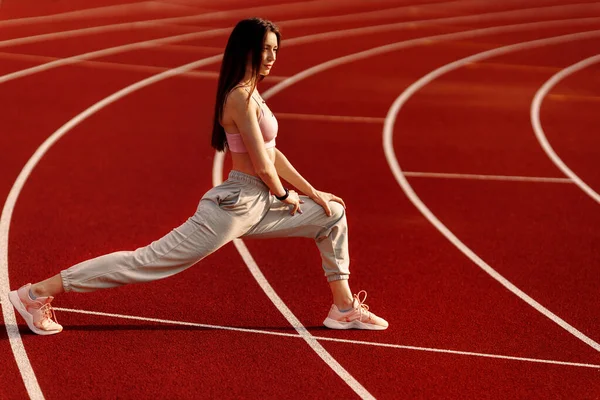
{"points": [[285, 196]]}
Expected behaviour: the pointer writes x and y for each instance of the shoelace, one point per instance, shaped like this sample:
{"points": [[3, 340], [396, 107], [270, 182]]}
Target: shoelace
{"points": [[48, 312], [362, 307]]}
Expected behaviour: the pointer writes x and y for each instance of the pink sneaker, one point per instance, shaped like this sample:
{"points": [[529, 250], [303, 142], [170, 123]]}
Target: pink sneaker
{"points": [[359, 317], [38, 313]]}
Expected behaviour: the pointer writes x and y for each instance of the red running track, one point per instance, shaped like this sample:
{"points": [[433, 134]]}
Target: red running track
{"points": [[135, 169]]}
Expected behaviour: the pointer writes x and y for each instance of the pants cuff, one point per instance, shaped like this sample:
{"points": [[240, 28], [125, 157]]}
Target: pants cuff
{"points": [[65, 280]]}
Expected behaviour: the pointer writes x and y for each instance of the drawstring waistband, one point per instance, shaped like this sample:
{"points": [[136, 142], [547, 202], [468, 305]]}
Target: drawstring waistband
{"points": [[245, 178]]}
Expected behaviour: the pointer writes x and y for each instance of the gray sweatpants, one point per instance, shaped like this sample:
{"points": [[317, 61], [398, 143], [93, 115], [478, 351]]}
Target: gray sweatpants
{"points": [[240, 207]]}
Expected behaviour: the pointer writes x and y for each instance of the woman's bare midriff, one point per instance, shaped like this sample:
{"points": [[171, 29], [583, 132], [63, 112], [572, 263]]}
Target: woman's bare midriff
{"points": [[242, 162]]}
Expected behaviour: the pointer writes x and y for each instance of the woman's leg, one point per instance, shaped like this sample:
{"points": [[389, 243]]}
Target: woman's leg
{"points": [[329, 233], [331, 237], [206, 231], [223, 214], [209, 229], [342, 296], [50, 287]]}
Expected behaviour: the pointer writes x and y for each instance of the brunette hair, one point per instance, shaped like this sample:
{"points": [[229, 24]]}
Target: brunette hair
{"points": [[245, 43]]}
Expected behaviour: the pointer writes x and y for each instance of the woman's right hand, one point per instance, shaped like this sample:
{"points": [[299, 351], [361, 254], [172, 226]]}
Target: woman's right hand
{"points": [[294, 200]]}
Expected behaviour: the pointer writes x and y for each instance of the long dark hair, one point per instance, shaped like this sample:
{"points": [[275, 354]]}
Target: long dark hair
{"points": [[246, 40]]}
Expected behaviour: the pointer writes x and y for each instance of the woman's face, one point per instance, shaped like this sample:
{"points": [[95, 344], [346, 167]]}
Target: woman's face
{"points": [[269, 53]]}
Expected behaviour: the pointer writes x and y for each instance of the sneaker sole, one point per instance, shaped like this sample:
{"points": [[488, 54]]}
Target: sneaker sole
{"points": [[16, 302], [333, 324]]}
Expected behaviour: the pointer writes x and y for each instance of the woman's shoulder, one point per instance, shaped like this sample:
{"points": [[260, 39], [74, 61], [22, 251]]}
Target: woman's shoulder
{"points": [[238, 93], [238, 98]]}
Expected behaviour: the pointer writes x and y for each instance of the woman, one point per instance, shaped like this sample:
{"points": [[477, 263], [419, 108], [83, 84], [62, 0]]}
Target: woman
{"points": [[242, 206]]}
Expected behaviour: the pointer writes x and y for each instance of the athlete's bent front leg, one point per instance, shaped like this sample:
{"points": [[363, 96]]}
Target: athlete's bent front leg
{"points": [[329, 232]]}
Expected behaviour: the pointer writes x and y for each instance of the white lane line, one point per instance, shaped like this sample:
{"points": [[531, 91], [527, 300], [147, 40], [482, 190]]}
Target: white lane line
{"points": [[329, 339], [16, 342], [173, 322], [98, 12], [572, 97], [388, 48], [280, 304], [443, 175], [203, 17], [210, 17], [462, 353], [17, 187], [18, 349], [152, 23], [109, 51], [293, 42], [388, 147], [539, 131], [23, 363], [118, 66], [44, 37], [408, 190], [255, 270], [538, 12], [375, 15], [295, 322], [330, 118], [182, 48]]}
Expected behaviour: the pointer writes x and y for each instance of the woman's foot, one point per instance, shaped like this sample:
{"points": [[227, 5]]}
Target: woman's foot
{"points": [[38, 312], [358, 317]]}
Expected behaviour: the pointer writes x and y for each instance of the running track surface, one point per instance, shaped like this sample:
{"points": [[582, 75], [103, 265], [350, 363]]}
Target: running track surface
{"points": [[137, 168]]}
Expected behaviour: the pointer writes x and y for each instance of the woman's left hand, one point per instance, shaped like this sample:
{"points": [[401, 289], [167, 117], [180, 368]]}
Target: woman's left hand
{"points": [[323, 199]]}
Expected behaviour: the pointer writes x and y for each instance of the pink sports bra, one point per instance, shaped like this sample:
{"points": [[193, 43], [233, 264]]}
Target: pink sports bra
{"points": [[268, 127]]}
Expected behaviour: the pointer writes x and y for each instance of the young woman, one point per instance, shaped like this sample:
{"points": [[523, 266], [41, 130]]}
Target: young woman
{"points": [[251, 203]]}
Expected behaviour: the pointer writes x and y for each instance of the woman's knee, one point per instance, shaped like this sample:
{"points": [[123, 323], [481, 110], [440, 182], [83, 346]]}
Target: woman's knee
{"points": [[337, 211]]}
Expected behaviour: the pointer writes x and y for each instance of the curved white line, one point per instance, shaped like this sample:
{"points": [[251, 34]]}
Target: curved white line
{"points": [[540, 134], [280, 304], [423, 40], [96, 12], [244, 252], [389, 125], [14, 337], [18, 349], [406, 187], [16, 343], [302, 331], [304, 39], [518, 13], [210, 17], [487, 177], [465, 19], [109, 51]]}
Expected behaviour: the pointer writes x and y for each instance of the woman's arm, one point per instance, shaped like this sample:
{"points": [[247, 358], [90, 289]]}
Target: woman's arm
{"points": [[286, 170]]}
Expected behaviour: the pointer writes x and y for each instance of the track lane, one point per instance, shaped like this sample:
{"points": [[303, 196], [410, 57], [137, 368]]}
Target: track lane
{"points": [[585, 255], [561, 112], [541, 136], [526, 324]]}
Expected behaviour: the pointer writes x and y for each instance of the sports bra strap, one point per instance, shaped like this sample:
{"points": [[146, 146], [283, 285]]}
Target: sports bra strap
{"points": [[245, 88]]}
